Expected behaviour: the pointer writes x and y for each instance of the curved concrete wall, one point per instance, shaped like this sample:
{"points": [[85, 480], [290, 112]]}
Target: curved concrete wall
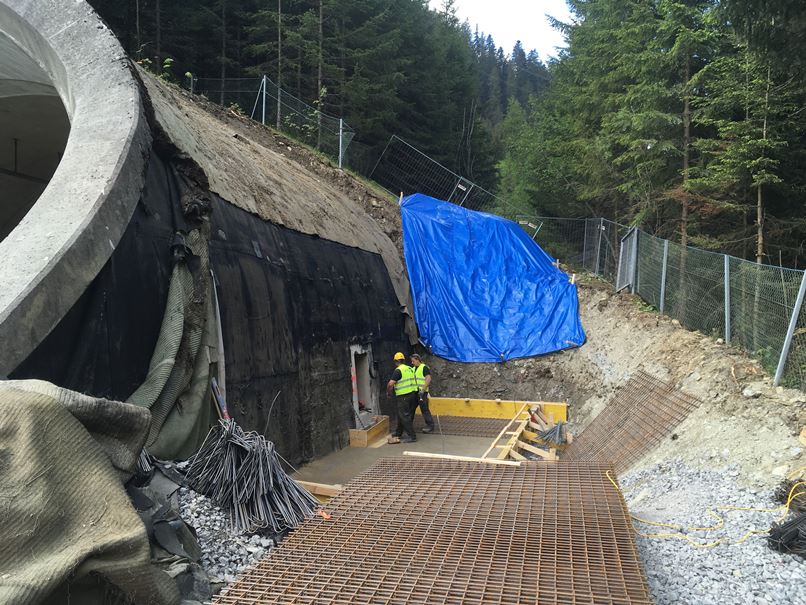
{"points": [[48, 260]]}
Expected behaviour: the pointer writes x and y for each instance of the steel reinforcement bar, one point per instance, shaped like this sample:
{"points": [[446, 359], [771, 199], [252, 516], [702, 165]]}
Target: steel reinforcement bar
{"points": [[641, 413], [464, 426], [425, 531]]}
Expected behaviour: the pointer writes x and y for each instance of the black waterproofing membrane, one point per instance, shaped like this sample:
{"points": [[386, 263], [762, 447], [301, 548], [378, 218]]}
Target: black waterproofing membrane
{"points": [[291, 304]]}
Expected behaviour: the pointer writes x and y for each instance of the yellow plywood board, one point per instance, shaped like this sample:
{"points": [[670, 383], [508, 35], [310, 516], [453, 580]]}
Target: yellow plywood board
{"points": [[494, 408]]}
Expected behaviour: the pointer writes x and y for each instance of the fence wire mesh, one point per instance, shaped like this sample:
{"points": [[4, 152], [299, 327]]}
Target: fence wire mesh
{"points": [[762, 299], [402, 168], [649, 272], [690, 287], [257, 98], [695, 289]]}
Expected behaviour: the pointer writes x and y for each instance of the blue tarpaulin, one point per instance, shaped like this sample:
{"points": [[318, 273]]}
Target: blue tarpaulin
{"points": [[483, 289]]}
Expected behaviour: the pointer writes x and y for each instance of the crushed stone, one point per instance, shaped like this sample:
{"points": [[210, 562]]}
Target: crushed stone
{"points": [[226, 553], [679, 573]]}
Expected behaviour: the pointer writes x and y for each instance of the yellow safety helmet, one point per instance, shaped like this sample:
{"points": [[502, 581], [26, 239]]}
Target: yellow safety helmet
{"points": [[400, 357]]}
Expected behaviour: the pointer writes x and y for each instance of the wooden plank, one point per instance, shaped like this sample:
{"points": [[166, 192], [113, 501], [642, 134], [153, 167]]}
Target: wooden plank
{"points": [[321, 489], [504, 453], [517, 456], [461, 458], [364, 437], [492, 408], [530, 435], [504, 430], [536, 450]]}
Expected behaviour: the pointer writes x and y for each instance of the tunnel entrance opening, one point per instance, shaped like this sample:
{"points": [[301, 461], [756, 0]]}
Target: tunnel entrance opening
{"points": [[365, 395], [34, 127]]}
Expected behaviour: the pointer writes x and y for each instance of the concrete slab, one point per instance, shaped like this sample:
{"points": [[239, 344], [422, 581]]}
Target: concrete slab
{"points": [[342, 466]]}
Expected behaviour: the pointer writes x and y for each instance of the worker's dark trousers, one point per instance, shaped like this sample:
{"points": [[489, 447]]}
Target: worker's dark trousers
{"points": [[405, 407], [422, 402]]}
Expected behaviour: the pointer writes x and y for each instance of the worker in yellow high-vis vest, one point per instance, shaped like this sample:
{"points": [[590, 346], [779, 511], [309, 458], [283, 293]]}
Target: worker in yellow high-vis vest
{"points": [[422, 378], [404, 387]]}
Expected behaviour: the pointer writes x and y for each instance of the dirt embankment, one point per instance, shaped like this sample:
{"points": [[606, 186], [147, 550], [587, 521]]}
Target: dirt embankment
{"points": [[743, 419]]}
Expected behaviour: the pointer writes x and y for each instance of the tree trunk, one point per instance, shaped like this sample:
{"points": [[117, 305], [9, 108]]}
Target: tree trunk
{"points": [[684, 202], [137, 26], [319, 84], [223, 48], [158, 19], [279, 57], [760, 187]]}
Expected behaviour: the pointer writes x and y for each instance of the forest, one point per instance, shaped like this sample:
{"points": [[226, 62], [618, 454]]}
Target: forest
{"points": [[385, 66], [684, 117]]}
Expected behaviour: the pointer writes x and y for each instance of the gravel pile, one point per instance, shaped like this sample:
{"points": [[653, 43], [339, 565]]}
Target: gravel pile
{"points": [[729, 573], [226, 552]]}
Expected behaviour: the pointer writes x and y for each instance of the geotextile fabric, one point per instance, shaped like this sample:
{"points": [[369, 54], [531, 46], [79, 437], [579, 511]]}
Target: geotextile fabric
{"points": [[68, 532], [484, 291]]}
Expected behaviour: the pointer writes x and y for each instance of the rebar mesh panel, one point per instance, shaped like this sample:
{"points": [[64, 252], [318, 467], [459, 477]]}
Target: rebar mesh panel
{"points": [[650, 269], [464, 426], [641, 413], [417, 531]]}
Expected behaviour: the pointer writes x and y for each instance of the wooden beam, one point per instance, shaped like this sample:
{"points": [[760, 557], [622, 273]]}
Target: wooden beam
{"points": [[321, 489], [504, 430], [460, 458], [536, 450]]}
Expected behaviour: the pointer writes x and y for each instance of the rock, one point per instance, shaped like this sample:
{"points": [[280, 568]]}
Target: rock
{"points": [[675, 323], [720, 341], [750, 393], [780, 471]]}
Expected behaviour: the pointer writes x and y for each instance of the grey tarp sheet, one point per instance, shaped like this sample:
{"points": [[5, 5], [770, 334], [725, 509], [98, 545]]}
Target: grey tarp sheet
{"points": [[64, 514]]}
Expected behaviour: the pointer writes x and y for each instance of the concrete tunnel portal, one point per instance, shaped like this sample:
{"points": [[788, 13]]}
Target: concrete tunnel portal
{"points": [[34, 127]]}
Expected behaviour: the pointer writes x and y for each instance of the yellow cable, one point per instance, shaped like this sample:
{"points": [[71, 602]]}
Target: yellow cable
{"points": [[721, 523], [791, 474]]}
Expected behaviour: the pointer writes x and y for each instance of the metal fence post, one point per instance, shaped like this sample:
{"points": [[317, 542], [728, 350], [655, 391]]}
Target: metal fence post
{"points": [[793, 322], [263, 118], [599, 245], [341, 138], [585, 245], [663, 275], [634, 262], [727, 299], [279, 92]]}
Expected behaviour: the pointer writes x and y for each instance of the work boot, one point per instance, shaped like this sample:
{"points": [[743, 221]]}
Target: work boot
{"points": [[428, 429], [408, 439]]}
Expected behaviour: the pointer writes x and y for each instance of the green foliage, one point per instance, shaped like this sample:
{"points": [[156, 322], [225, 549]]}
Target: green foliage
{"points": [[387, 66], [609, 135]]}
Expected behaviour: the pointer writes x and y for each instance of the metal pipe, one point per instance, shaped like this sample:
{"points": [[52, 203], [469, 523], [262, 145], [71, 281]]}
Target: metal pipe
{"points": [[727, 299], [793, 322], [663, 275]]}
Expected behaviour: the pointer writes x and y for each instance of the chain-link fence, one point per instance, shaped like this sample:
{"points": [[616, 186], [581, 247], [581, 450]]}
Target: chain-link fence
{"points": [[746, 304], [264, 101], [402, 168]]}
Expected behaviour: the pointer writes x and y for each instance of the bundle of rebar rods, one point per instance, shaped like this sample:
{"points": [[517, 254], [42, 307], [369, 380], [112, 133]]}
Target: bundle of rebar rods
{"points": [[789, 537], [241, 472], [554, 436], [797, 502]]}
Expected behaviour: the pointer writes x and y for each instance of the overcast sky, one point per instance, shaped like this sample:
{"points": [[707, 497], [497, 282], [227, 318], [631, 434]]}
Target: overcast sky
{"points": [[511, 20]]}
